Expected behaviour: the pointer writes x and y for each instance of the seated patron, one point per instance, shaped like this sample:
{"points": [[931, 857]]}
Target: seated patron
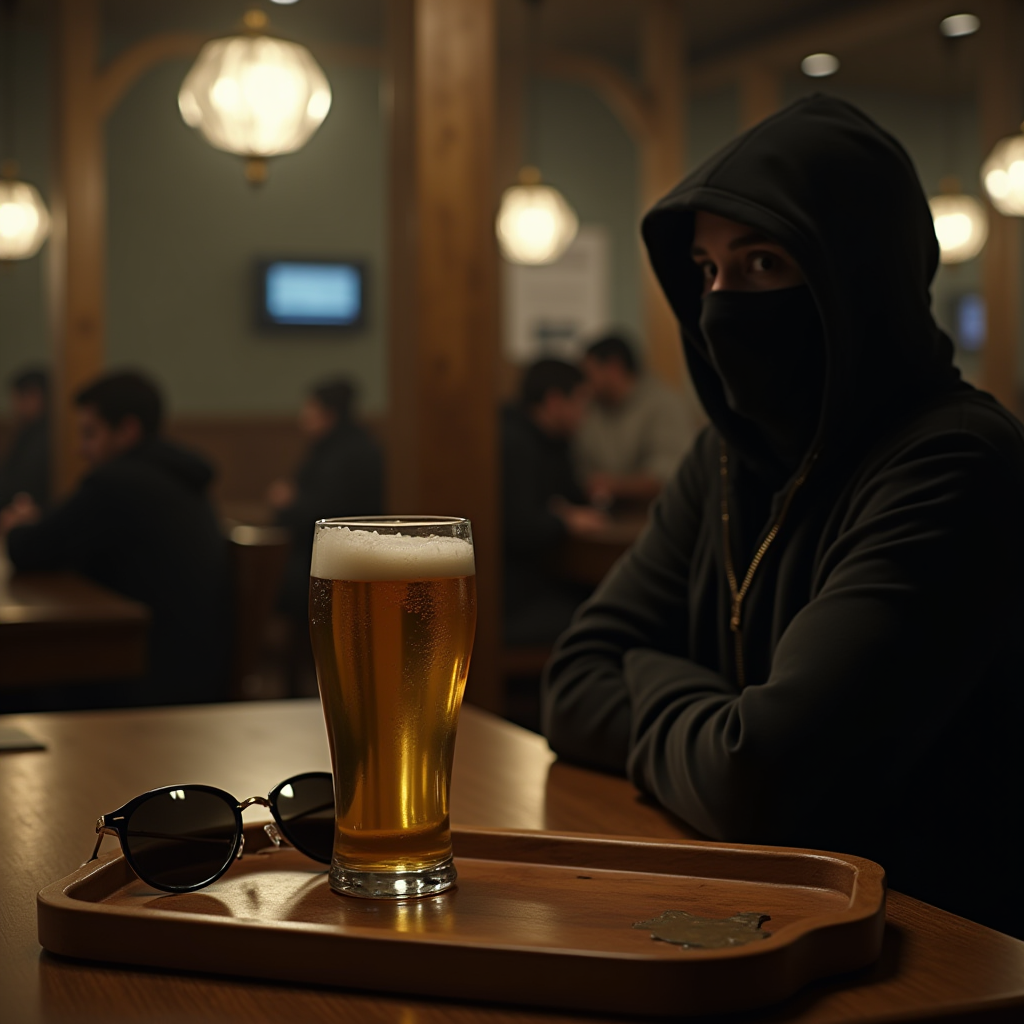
{"points": [[634, 432], [25, 470], [140, 523], [342, 475], [818, 640], [542, 502]]}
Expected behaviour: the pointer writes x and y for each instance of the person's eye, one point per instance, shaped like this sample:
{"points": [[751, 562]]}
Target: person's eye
{"points": [[708, 271], [760, 262]]}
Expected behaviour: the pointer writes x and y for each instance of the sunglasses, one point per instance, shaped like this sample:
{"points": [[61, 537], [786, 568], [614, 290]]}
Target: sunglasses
{"points": [[182, 838]]}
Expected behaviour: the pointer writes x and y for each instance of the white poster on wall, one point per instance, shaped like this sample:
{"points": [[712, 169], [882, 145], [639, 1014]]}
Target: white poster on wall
{"points": [[554, 310]]}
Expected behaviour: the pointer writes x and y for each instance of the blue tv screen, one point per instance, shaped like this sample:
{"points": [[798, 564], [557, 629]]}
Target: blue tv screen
{"points": [[311, 293]]}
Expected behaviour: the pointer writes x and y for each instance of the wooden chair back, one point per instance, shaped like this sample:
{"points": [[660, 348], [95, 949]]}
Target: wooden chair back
{"points": [[257, 557]]}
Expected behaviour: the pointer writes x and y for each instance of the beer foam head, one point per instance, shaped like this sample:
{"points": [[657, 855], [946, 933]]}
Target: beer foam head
{"points": [[340, 553]]}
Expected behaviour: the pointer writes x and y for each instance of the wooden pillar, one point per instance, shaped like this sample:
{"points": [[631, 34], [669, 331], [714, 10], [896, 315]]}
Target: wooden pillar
{"points": [[514, 84], [443, 286], [1001, 107], [78, 245], [760, 95], [662, 162]]}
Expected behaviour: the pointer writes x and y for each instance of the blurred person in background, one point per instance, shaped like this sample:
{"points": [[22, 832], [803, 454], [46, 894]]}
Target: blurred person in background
{"points": [[141, 524], [542, 501], [25, 469], [341, 475], [635, 431]]}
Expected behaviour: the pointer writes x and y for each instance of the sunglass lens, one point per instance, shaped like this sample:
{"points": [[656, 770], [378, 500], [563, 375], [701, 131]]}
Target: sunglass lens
{"points": [[305, 812], [182, 838]]}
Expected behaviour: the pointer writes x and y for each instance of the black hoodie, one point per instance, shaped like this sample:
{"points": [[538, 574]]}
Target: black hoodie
{"points": [[142, 525], [881, 699]]}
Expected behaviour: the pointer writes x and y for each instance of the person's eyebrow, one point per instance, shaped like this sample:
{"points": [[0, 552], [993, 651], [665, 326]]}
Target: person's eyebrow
{"points": [[752, 238]]}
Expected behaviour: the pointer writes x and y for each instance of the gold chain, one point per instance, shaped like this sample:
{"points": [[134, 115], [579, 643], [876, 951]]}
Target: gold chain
{"points": [[738, 591]]}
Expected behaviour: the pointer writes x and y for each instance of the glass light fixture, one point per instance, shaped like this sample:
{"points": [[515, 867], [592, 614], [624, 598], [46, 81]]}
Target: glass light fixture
{"points": [[255, 95], [24, 219], [535, 224], [959, 25], [961, 225], [1002, 174], [819, 65]]}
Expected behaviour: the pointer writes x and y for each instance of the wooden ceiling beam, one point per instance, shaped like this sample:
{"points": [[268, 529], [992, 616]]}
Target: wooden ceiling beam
{"points": [[114, 81], [627, 100]]}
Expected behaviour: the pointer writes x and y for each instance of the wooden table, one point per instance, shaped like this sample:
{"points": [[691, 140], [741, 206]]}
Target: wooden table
{"points": [[587, 559], [58, 627], [933, 966]]}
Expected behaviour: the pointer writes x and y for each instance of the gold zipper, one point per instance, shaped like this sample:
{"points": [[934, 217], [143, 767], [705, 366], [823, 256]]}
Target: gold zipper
{"points": [[738, 591]]}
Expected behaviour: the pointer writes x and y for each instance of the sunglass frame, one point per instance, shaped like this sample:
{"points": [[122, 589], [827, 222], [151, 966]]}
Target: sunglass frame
{"points": [[116, 823]]}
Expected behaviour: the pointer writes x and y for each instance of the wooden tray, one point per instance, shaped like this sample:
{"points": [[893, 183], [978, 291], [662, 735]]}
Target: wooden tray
{"points": [[536, 919]]}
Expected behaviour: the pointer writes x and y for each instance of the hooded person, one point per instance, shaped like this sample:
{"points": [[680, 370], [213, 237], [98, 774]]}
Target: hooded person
{"points": [[817, 641], [140, 523]]}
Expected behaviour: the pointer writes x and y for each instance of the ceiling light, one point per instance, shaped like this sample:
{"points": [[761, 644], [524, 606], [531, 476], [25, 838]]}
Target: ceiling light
{"points": [[959, 25], [820, 65]]}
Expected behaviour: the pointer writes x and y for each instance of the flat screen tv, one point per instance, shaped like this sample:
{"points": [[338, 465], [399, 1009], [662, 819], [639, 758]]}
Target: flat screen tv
{"points": [[311, 293]]}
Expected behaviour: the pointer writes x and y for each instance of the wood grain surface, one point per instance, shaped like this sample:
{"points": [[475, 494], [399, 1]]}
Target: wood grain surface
{"points": [[536, 919], [933, 965]]}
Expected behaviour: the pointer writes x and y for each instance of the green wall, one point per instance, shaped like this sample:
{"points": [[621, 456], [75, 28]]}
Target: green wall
{"points": [[185, 232], [185, 229]]}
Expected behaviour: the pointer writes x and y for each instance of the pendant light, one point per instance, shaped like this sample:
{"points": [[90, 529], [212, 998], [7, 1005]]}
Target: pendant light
{"points": [[960, 221], [24, 219], [535, 223], [1002, 174], [255, 95], [961, 225]]}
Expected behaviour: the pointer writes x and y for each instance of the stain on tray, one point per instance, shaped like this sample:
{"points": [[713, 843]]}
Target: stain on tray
{"points": [[693, 932]]}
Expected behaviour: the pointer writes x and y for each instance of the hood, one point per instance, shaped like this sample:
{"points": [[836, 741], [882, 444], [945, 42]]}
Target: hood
{"points": [[185, 467], [842, 196]]}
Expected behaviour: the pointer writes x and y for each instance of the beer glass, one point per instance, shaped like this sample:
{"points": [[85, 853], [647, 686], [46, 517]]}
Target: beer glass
{"points": [[392, 613]]}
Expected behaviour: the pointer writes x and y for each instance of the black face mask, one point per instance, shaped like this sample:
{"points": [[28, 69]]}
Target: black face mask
{"points": [[769, 350]]}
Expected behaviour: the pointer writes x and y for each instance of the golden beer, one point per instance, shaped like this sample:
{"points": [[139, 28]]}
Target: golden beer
{"points": [[392, 620]]}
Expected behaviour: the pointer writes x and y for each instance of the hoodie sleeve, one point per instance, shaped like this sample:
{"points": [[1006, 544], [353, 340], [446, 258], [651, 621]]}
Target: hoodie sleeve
{"points": [[586, 705], [70, 535], [908, 608]]}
